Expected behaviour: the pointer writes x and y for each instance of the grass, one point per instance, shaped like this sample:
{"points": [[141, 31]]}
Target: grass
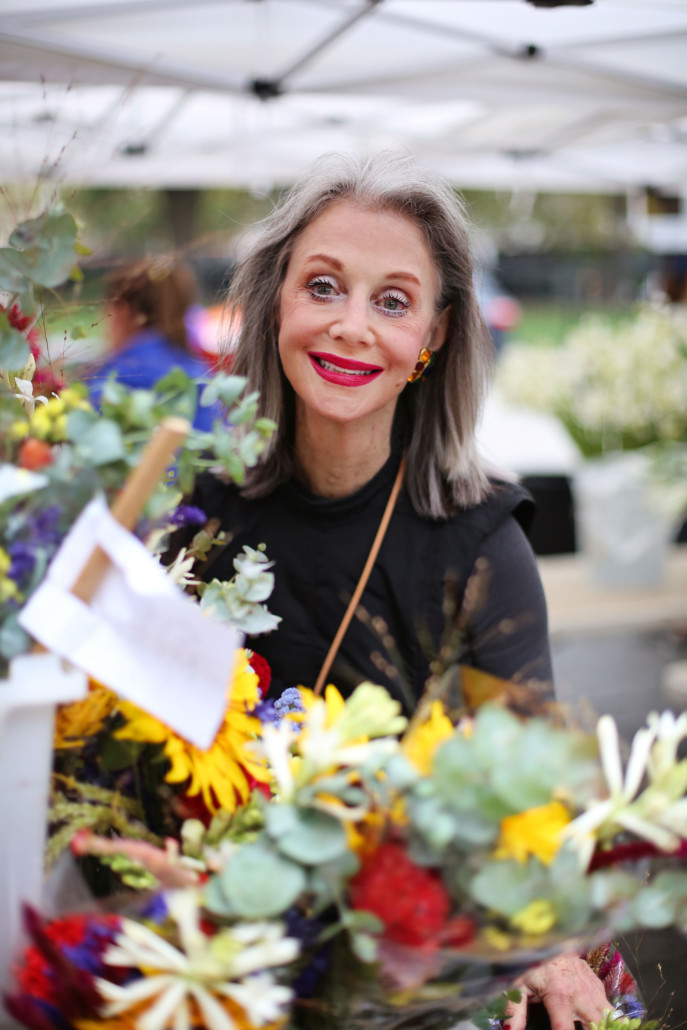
{"points": [[547, 323]]}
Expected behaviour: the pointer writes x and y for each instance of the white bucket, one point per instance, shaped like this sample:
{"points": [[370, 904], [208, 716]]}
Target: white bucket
{"points": [[621, 531], [37, 683]]}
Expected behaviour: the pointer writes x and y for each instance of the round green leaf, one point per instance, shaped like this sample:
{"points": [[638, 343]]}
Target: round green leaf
{"points": [[259, 884], [315, 838]]}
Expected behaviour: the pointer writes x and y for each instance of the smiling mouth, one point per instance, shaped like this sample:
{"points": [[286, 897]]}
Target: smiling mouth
{"points": [[343, 371], [342, 366], [331, 367]]}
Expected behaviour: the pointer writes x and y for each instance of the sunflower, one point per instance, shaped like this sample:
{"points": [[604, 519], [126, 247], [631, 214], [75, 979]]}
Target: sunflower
{"points": [[221, 774], [78, 721]]}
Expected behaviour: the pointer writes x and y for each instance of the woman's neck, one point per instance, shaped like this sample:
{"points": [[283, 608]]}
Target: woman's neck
{"points": [[335, 460]]}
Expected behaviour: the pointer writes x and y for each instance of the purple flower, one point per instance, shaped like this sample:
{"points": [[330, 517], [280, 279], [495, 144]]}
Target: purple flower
{"points": [[43, 527], [630, 1006], [188, 515], [23, 560], [266, 712], [290, 701], [156, 910]]}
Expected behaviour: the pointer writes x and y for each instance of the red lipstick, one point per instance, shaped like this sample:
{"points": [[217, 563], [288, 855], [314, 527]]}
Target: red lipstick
{"points": [[343, 371]]}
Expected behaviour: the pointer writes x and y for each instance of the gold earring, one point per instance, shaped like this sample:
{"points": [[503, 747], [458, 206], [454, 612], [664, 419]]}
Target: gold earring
{"points": [[424, 363]]}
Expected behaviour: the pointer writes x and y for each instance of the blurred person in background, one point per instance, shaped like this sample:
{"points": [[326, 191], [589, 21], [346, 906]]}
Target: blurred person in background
{"points": [[147, 305]]}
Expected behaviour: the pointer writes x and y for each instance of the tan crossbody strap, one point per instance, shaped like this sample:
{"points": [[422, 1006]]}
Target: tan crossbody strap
{"points": [[364, 576]]}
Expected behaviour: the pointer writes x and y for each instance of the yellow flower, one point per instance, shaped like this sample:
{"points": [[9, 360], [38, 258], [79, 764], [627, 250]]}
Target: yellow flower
{"points": [[221, 772], [421, 743], [9, 590], [41, 422], [19, 429], [333, 701], [82, 719], [535, 918], [60, 428], [495, 938], [5, 562], [55, 407], [71, 398], [537, 831]]}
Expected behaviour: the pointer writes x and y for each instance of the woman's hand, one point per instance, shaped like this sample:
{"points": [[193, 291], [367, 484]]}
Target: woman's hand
{"points": [[569, 991]]}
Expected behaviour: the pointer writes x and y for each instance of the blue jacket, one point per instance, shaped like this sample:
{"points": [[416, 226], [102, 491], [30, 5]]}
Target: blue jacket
{"points": [[147, 357]]}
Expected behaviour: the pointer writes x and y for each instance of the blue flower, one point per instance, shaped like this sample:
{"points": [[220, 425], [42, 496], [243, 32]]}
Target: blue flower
{"points": [[188, 515]]}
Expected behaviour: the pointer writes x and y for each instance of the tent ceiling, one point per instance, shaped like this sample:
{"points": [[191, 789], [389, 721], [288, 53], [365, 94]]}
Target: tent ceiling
{"points": [[494, 92]]}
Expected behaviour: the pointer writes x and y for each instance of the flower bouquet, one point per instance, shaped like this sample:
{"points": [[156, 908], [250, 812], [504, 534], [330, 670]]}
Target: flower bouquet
{"points": [[56, 454], [397, 876]]}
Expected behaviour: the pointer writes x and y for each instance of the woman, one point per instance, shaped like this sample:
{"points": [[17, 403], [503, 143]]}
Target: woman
{"points": [[361, 270], [147, 303], [361, 281]]}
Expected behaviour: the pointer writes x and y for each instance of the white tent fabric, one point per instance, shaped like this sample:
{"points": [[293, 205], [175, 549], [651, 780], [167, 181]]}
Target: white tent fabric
{"points": [[496, 93]]}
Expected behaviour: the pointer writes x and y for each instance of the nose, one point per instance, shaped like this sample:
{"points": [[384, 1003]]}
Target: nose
{"points": [[351, 322]]}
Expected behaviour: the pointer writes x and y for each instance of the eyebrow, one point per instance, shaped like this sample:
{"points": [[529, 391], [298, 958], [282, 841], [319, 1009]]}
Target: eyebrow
{"points": [[335, 263]]}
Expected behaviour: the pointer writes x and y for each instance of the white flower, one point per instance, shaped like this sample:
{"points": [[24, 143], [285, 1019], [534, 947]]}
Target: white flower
{"points": [[260, 997], [275, 746], [201, 969], [24, 394], [659, 812], [180, 570]]}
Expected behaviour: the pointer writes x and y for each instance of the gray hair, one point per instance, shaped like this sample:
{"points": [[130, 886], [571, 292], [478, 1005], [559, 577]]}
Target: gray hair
{"points": [[437, 417]]}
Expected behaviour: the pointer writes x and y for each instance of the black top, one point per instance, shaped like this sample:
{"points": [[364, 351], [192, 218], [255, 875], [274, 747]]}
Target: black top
{"points": [[320, 546]]}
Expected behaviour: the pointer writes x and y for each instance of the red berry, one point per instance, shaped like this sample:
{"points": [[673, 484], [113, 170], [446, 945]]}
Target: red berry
{"points": [[35, 454]]}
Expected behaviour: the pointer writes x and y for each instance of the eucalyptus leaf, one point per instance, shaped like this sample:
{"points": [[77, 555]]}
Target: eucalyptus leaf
{"points": [[315, 838], [47, 245], [357, 920], [215, 900], [13, 639], [280, 819], [14, 272], [80, 422], [364, 947], [260, 884], [506, 886], [103, 443], [14, 348], [177, 394], [224, 388], [141, 408], [658, 904]]}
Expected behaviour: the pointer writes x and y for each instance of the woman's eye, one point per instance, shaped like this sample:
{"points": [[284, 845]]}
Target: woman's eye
{"points": [[394, 303], [322, 287]]}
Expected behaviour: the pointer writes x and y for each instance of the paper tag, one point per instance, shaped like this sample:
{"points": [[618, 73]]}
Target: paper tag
{"points": [[139, 635]]}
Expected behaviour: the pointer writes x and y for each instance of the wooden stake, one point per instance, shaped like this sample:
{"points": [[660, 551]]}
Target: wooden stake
{"points": [[132, 498]]}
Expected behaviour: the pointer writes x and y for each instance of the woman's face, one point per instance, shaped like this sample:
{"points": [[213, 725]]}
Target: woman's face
{"points": [[357, 306]]}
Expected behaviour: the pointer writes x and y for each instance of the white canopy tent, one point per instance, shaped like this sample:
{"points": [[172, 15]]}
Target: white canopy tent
{"points": [[496, 93]]}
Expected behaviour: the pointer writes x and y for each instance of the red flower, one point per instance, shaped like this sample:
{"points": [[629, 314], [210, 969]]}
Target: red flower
{"points": [[412, 902], [19, 321], [260, 667], [46, 380]]}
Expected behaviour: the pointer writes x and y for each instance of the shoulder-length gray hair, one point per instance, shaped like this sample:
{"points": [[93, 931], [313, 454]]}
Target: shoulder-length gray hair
{"points": [[437, 417]]}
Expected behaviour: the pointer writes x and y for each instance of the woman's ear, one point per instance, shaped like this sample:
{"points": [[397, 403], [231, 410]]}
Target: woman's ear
{"points": [[439, 330]]}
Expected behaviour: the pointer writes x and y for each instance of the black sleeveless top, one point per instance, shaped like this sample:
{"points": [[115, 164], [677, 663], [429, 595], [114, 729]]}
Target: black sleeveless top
{"points": [[320, 545]]}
